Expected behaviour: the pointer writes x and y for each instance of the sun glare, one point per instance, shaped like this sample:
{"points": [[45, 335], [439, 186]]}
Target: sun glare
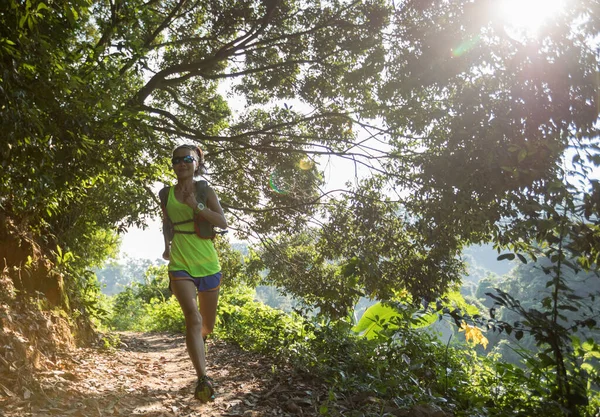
{"points": [[529, 15]]}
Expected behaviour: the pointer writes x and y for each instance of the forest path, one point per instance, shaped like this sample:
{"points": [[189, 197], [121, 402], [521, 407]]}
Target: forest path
{"points": [[150, 374]]}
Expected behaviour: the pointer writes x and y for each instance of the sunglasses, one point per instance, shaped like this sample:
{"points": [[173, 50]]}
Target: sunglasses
{"points": [[188, 159]]}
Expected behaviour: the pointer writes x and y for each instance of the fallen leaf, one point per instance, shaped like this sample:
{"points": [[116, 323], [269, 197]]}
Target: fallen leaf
{"points": [[7, 391]]}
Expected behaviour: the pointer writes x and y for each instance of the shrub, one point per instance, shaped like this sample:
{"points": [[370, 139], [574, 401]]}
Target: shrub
{"points": [[164, 315], [255, 326]]}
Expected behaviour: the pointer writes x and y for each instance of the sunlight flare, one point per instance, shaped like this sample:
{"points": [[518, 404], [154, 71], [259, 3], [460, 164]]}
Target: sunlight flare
{"points": [[529, 15]]}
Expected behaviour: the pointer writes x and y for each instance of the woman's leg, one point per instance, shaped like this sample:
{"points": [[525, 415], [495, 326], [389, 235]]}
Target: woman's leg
{"points": [[208, 309], [185, 291]]}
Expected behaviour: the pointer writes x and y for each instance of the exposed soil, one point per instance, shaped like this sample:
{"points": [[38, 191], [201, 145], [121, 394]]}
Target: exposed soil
{"points": [[150, 374]]}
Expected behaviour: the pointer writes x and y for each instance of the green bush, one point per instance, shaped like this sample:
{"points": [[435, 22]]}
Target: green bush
{"points": [[127, 312], [255, 326], [163, 315], [144, 306]]}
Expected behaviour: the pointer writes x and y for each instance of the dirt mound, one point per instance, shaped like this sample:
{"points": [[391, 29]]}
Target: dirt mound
{"points": [[30, 339]]}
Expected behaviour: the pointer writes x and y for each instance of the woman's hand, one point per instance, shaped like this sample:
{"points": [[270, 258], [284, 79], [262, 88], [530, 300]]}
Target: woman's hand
{"points": [[166, 254], [189, 197]]}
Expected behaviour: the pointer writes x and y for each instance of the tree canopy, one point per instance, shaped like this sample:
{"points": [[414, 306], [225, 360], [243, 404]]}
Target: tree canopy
{"points": [[461, 125]]}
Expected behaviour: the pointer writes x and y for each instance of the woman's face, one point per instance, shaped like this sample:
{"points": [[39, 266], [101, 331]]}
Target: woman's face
{"points": [[184, 163]]}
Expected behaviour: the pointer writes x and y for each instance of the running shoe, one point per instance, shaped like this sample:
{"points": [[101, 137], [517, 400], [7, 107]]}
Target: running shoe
{"points": [[204, 389]]}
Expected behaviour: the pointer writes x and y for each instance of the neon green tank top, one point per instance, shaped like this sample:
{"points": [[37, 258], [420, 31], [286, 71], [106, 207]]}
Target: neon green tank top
{"points": [[198, 257]]}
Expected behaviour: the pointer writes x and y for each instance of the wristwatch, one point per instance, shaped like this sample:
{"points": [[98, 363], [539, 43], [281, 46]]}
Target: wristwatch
{"points": [[200, 206]]}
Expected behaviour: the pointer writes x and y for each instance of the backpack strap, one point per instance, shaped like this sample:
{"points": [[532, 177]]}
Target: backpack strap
{"points": [[202, 227], [201, 187]]}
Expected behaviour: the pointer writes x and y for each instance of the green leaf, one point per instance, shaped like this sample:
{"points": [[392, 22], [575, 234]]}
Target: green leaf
{"points": [[371, 320], [546, 360], [591, 369], [23, 20], [509, 256], [589, 345], [567, 307]]}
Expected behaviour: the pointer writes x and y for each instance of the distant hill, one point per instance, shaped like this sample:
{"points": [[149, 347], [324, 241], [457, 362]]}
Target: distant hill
{"points": [[482, 260]]}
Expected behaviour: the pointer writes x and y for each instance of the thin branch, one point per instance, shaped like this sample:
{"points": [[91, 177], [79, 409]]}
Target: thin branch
{"points": [[164, 24], [184, 41], [208, 76], [315, 201], [176, 121]]}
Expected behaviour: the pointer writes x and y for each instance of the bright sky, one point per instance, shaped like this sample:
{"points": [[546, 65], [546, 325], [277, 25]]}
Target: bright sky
{"points": [[138, 243], [528, 15]]}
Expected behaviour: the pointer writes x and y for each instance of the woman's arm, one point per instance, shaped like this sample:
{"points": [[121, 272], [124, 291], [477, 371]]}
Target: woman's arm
{"points": [[167, 253], [163, 196], [213, 212]]}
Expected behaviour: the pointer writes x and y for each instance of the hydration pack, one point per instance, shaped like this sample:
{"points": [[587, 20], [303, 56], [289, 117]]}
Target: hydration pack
{"points": [[202, 227]]}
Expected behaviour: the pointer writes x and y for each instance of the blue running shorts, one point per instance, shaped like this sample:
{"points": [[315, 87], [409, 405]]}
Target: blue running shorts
{"points": [[204, 284]]}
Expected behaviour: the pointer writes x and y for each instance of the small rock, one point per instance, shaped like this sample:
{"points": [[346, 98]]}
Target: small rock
{"points": [[292, 407]]}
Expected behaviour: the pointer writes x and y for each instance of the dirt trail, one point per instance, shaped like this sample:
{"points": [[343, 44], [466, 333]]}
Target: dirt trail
{"points": [[151, 375]]}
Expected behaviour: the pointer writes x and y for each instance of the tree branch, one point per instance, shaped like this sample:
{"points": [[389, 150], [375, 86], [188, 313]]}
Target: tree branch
{"points": [[221, 54]]}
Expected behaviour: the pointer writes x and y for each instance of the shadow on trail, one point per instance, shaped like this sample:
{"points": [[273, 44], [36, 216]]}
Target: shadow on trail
{"points": [[152, 342]]}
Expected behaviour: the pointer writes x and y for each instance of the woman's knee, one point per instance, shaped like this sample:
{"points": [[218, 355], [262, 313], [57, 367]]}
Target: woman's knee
{"points": [[193, 319]]}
